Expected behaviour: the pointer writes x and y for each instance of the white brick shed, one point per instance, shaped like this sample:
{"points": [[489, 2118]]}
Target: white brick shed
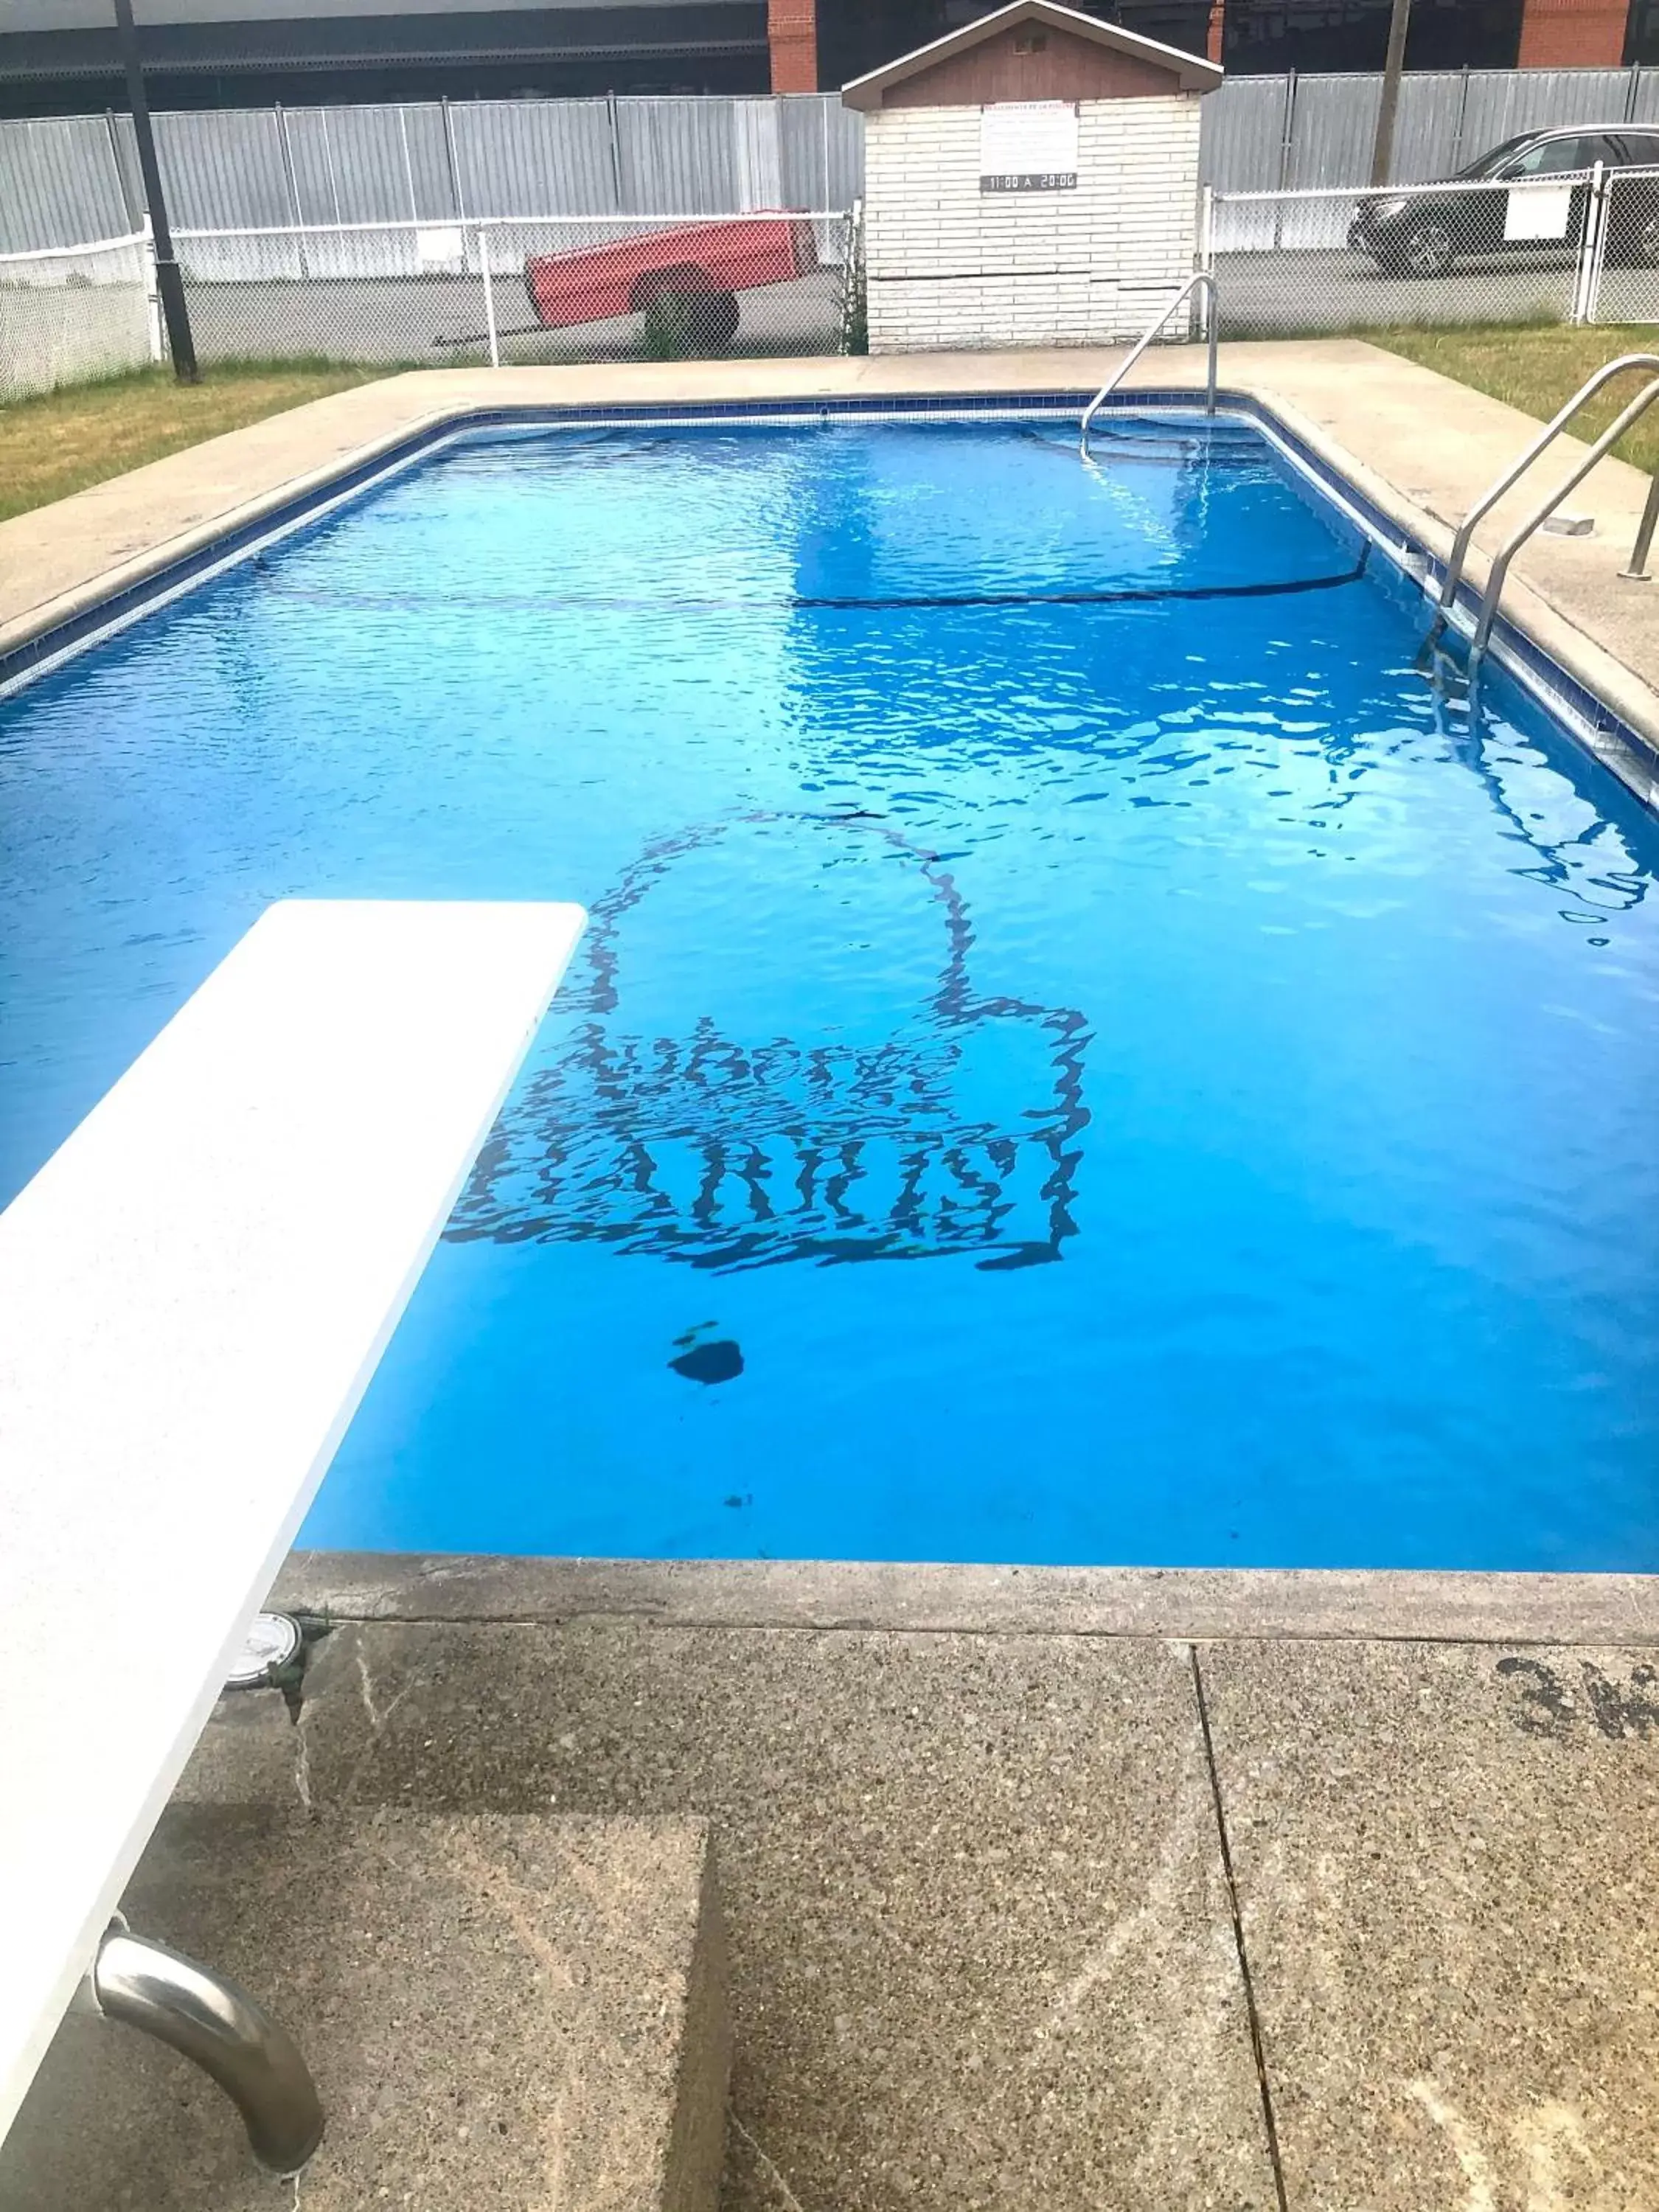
{"points": [[1031, 180]]}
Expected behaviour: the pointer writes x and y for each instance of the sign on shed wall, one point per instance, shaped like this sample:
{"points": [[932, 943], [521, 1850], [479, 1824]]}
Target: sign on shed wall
{"points": [[1028, 146]]}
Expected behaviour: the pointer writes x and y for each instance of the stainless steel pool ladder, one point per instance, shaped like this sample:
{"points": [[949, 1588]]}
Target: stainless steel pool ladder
{"points": [[1204, 282], [1638, 570]]}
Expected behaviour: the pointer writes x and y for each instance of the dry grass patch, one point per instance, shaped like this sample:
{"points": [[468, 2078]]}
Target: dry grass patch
{"points": [[1538, 370], [64, 440]]}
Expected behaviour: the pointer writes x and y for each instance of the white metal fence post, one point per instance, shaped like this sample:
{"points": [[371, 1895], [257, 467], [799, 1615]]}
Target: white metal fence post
{"points": [[152, 296], [490, 297]]}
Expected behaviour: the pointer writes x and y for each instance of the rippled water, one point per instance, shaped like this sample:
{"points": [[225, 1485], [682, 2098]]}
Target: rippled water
{"points": [[1073, 1059]]}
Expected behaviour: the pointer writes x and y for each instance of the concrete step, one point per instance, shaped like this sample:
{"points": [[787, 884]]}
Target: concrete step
{"points": [[982, 1954], [508, 2010]]}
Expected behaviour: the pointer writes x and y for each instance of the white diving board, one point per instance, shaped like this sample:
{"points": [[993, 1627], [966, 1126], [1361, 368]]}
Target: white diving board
{"points": [[194, 1292]]}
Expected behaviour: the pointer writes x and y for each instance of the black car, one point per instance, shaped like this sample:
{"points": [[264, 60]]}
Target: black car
{"points": [[1422, 234]]}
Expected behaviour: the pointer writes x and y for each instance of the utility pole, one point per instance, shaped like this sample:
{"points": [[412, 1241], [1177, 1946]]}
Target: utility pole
{"points": [[168, 282], [1388, 107]]}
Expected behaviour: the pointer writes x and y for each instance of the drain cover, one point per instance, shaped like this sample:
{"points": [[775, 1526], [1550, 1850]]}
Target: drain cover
{"points": [[270, 1644]]}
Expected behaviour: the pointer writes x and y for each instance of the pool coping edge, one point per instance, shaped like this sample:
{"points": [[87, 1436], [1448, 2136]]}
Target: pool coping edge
{"points": [[1202, 1604]]}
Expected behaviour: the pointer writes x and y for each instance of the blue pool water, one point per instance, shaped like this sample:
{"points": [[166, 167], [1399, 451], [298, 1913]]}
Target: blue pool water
{"points": [[1079, 1055]]}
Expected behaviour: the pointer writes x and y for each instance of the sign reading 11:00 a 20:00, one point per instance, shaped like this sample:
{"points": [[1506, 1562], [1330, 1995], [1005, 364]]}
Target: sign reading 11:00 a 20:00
{"points": [[1028, 146]]}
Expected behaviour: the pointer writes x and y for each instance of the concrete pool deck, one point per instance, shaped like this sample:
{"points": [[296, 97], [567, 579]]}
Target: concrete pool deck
{"points": [[1154, 1892], [1027, 1902], [1421, 446]]}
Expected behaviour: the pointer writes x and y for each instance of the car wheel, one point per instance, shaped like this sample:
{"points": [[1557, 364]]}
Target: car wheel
{"points": [[1427, 249]]}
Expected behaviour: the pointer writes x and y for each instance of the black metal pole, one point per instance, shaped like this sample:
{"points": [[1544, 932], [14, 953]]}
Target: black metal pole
{"points": [[1388, 106], [168, 282]]}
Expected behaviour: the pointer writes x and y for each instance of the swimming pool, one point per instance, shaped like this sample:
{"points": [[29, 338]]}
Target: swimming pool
{"points": [[1079, 1055]]}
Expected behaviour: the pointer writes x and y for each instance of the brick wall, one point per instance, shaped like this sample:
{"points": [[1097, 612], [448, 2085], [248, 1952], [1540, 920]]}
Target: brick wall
{"points": [[792, 35], [949, 265], [1572, 33]]}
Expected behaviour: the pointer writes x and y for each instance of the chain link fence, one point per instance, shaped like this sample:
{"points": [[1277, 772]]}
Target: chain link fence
{"points": [[542, 289], [1578, 248], [71, 315]]}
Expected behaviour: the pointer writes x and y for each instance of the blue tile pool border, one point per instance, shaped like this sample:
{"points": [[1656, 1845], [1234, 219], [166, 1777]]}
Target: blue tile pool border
{"points": [[1625, 750]]}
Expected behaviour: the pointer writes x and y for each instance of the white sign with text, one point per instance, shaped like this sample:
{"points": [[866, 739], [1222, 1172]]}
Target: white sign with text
{"points": [[1028, 146]]}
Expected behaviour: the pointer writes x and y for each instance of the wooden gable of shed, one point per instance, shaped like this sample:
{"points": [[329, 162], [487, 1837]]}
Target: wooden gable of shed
{"points": [[1032, 50], [1032, 61]]}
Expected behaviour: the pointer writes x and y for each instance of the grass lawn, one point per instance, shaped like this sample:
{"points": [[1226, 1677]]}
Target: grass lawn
{"points": [[1539, 369], [65, 440]]}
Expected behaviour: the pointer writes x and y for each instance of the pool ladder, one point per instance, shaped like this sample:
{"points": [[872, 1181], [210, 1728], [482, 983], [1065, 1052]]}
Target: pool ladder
{"points": [[1203, 282], [1498, 573]]}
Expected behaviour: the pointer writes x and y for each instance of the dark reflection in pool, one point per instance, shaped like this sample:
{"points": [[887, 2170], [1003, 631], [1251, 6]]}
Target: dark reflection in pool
{"points": [[799, 1149]]}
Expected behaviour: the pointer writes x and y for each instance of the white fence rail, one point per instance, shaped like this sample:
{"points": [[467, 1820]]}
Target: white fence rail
{"points": [[73, 313]]}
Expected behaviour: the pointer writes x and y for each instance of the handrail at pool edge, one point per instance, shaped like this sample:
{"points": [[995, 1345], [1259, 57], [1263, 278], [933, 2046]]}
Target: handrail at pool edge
{"points": [[1201, 281], [1497, 574], [1512, 475]]}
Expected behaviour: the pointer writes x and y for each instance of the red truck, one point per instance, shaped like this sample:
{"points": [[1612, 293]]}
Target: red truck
{"points": [[693, 274]]}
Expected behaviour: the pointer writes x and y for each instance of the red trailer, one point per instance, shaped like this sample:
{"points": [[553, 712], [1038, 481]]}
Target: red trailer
{"points": [[693, 274]]}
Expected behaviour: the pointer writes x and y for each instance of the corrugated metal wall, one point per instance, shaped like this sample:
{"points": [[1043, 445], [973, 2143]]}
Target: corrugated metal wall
{"points": [[63, 182], [67, 181], [1274, 133], [58, 184]]}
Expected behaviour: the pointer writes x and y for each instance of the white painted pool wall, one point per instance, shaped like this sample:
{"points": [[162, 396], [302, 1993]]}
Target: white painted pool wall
{"points": [[949, 265]]}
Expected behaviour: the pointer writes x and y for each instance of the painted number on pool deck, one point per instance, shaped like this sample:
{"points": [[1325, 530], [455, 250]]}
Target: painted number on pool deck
{"points": [[1548, 1703]]}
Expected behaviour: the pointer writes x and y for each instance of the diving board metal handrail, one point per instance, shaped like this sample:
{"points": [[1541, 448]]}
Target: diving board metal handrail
{"points": [[1201, 281], [1512, 475], [213, 2020]]}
